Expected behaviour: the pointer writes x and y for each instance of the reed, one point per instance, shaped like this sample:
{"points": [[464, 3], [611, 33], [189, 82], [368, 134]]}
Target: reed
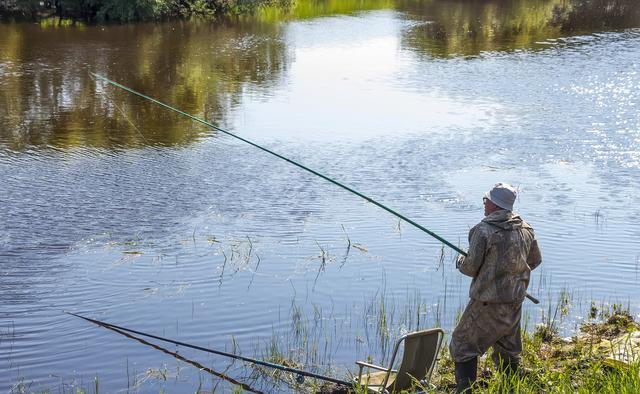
{"points": [[583, 363], [550, 363]]}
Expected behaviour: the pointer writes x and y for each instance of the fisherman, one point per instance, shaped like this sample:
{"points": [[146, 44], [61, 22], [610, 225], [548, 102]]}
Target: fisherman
{"points": [[502, 252]]}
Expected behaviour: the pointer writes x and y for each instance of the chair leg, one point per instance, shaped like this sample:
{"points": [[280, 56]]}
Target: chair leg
{"points": [[466, 373]]}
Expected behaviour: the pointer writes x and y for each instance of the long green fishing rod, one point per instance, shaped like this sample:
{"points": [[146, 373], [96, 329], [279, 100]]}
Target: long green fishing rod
{"points": [[299, 372], [179, 357], [357, 193], [211, 125]]}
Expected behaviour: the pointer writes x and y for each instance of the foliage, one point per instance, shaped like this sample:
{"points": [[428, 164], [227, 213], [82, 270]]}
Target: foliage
{"points": [[134, 10], [106, 10], [515, 20]]}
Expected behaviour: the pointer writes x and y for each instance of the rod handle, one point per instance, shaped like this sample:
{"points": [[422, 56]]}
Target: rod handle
{"points": [[533, 299]]}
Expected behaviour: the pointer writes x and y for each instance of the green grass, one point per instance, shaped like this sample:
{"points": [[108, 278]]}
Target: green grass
{"points": [[550, 364]]}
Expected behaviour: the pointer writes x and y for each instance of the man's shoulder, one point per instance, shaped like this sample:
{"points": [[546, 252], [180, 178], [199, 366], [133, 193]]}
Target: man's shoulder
{"points": [[527, 226], [482, 228]]}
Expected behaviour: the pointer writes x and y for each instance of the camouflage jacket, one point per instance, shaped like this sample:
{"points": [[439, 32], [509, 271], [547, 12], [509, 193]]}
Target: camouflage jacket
{"points": [[502, 252]]}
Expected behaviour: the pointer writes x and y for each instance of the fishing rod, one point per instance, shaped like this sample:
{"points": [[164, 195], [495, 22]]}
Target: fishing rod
{"points": [[196, 364], [301, 374], [347, 188]]}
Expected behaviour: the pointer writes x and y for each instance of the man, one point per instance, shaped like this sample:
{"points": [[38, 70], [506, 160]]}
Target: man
{"points": [[502, 252]]}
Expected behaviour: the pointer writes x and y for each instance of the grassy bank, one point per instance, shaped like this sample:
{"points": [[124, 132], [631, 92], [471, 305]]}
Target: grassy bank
{"points": [[601, 358]]}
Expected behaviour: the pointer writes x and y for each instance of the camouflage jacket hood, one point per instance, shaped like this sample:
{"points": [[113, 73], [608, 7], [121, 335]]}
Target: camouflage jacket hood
{"points": [[506, 220], [502, 252]]}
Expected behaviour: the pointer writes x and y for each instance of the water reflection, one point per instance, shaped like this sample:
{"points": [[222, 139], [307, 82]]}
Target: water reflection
{"points": [[48, 97], [446, 28], [308, 9]]}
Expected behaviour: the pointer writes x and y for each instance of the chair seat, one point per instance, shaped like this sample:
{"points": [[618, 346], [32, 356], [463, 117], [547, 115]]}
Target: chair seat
{"points": [[373, 381], [419, 357]]}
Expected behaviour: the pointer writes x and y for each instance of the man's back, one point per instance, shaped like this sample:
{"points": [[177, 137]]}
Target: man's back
{"points": [[502, 253]]}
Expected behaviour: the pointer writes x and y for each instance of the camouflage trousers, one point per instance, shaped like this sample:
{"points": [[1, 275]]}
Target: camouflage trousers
{"points": [[485, 325]]}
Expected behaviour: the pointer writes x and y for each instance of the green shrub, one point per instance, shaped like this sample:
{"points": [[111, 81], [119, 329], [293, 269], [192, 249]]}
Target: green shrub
{"points": [[137, 10]]}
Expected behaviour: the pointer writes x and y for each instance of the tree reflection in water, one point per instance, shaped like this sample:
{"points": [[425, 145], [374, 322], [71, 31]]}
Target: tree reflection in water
{"points": [[467, 28], [48, 98]]}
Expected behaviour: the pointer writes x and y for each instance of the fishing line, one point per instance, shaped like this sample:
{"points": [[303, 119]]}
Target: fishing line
{"points": [[211, 125], [347, 188], [299, 372], [126, 117], [196, 364]]}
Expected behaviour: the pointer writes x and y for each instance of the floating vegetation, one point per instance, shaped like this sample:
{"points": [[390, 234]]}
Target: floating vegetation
{"points": [[346, 253], [56, 22], [598, 217], [360, 248], [324, 257]]}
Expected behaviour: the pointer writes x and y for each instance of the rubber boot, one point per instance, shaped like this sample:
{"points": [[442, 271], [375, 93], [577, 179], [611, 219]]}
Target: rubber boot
{"points": [[513, 368], [466, 375], [508, 367]]}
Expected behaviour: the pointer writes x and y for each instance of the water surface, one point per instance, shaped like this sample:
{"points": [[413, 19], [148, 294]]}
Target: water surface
{"points": [[118, 209]]}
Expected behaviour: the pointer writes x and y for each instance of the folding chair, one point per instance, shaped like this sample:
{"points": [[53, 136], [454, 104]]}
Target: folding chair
{"points": [[419, 358]]}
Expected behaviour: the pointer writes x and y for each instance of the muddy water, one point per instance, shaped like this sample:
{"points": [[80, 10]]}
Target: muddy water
{"points": [[117, 209]]}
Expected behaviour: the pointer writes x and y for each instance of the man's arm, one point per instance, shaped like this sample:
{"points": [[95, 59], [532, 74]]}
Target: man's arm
{"points": [[470, 264], [535, 257]]}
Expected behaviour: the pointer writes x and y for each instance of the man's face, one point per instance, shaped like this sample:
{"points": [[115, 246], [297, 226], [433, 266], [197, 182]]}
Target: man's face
{"points": [[489, 207]]}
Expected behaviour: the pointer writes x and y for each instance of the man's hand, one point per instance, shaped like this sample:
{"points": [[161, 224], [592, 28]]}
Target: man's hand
{"points": [[459, 261]]}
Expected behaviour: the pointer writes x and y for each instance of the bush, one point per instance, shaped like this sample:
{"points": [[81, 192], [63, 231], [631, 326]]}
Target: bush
{"points": [[134, 10]]}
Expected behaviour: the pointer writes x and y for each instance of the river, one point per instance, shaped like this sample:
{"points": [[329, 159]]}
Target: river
{"points": [[118, 209]]}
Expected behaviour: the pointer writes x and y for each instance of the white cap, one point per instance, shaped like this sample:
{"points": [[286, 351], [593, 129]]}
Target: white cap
{"points": [[503, 195]]}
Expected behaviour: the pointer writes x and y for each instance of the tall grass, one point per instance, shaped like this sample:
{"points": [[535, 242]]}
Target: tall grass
{"points": [[550, 364]]}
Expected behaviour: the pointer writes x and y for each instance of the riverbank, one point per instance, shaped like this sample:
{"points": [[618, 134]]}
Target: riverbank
{"points": [[130, 11], [602, 358]]}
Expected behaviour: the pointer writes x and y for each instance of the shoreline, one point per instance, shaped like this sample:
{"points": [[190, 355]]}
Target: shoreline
{"points": [[604, 357]]}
